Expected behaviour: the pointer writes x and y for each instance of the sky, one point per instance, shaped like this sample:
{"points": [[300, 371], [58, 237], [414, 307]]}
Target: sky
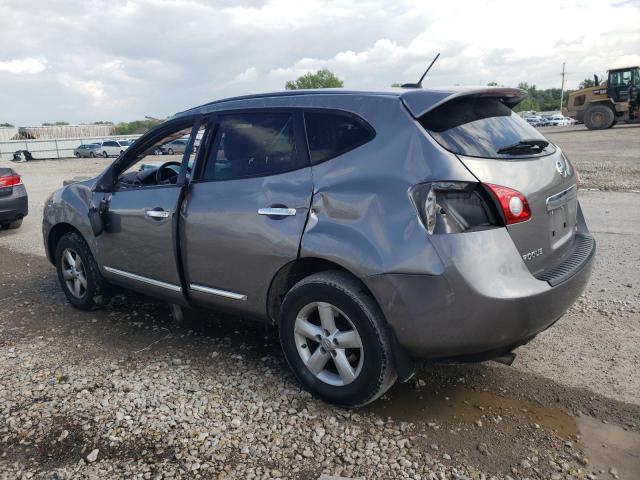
{"points": [[120, 60]]}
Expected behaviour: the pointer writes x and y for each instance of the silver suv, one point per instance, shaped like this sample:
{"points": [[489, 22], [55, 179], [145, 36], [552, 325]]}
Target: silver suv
{"points": [[373, 228]]}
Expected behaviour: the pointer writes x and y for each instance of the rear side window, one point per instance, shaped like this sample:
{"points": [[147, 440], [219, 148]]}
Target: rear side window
{"points": [[479, 127], [331, 134], [251, 145]]}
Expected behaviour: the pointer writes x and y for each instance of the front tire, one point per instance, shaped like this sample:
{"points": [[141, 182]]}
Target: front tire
{"points": [[334, 338], [78, 273], [599, 117], [104, 154], [92, 155]]}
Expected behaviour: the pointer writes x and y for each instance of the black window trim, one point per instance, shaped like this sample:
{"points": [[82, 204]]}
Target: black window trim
{"points": [[345, 113], [212, 130]]}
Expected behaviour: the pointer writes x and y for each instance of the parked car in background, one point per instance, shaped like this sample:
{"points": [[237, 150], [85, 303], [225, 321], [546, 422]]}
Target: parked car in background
{"points": [[535, 121], [113, 148], [425, 225], [559, 120], [87, 150], [14, 203], [174, 147]]}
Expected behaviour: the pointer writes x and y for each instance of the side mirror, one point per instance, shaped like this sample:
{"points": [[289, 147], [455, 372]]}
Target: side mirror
{"points": [[97, 216]]}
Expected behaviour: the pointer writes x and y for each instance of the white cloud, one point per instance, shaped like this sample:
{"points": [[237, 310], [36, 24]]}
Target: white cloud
{"points": [[156, 57], [249, 75], [93, 89], [23, 66]]}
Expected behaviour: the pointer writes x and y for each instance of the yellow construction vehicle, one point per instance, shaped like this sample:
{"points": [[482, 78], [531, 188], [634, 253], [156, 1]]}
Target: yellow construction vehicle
{"points": [[616, 100]]}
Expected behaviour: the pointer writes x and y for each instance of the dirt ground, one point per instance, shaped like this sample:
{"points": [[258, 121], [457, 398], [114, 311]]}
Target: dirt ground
{"points": [[213, 398]]}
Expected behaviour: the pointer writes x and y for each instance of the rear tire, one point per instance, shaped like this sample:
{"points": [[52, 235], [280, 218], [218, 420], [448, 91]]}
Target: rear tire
{"points": [[11, 225], [349, 362], [599, 117], [105, 155], [78, 273], [92, 155], [77, 155]]}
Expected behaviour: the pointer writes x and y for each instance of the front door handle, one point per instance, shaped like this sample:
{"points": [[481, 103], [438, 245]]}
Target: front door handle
{"points": [[277, 211], [157, 213]]}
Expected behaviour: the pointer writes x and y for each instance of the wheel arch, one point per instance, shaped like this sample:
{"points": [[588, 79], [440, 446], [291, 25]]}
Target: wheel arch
{"points": [[291, 274], [55, 234], [303, 267]]}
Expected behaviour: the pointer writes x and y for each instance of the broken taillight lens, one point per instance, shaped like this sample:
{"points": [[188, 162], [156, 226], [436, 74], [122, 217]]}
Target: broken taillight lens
{"points": [[515, 207], [453, 207]]}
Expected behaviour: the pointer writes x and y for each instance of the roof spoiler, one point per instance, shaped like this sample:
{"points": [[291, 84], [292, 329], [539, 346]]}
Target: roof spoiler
{"points": [[420, 102]]}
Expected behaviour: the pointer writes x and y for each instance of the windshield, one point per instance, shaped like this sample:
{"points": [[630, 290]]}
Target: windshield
{"points": [[126, 143], [480, 127]]}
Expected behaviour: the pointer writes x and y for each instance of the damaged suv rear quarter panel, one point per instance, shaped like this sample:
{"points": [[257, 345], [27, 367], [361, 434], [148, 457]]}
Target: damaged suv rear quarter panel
{"points": [[356, 191]]}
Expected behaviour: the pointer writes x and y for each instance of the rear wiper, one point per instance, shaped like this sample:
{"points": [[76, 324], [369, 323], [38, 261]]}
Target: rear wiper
{"points": [[525, 146]]}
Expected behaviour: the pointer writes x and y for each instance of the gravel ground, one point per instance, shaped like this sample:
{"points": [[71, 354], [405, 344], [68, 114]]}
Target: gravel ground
{"points": [[125, 392], [606, 159]]}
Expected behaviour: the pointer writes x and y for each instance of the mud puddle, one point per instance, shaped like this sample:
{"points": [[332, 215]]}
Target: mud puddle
{"points": [[503, 433], [609, 446]]}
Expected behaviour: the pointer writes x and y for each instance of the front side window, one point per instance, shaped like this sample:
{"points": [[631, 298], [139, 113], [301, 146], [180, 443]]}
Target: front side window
{"points": [[330, 134], [253, 144], [153, 165]]}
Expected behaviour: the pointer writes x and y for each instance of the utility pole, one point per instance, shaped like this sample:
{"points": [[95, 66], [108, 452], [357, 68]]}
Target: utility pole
{"points": [[562, 89]]}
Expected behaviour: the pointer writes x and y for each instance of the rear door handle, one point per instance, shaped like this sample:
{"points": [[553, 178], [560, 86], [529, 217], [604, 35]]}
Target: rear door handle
{"points": [[277, 211], [157, 213]]}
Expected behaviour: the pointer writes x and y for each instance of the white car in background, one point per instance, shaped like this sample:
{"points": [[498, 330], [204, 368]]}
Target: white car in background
{"points": [[113, 148], [557, 120]]}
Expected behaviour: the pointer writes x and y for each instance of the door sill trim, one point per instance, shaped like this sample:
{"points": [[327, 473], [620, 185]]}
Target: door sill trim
{"points": [[140, 278], [218, 292]]}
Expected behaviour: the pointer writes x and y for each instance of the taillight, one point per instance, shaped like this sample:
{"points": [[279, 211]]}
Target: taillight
{"points": [[10, 180], [515, 207], [453, 207]]}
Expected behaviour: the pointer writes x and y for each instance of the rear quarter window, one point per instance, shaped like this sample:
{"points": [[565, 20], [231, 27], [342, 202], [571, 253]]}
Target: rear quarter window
{"points": [[479, 127], [330, 134]]}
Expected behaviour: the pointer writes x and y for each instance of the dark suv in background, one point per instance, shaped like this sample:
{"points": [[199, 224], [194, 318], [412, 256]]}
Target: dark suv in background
{"points": [[372, 227], [14, 202]]}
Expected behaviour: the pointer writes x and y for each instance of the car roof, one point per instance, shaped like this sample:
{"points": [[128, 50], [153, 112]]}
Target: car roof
{"points": [[418, 100]]}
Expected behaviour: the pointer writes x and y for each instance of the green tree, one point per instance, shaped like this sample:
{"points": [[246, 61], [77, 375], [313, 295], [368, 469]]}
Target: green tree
{"points": [[54, 124], [492, 84], [321, 79], [586, 83], [527, 105], [6, 125], [396, 85], [135, 127]]}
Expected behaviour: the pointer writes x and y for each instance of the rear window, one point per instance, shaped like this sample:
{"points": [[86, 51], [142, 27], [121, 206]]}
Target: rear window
{"points": [[479, 127], [330, 134]]}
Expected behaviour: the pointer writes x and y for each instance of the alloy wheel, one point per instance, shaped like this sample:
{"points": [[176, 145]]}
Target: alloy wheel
{"points": [[73, 273], [328, 343]]}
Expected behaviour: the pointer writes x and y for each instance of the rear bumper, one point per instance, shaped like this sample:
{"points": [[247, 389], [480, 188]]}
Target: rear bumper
{"points": [[14, 206], [485, 301]]}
